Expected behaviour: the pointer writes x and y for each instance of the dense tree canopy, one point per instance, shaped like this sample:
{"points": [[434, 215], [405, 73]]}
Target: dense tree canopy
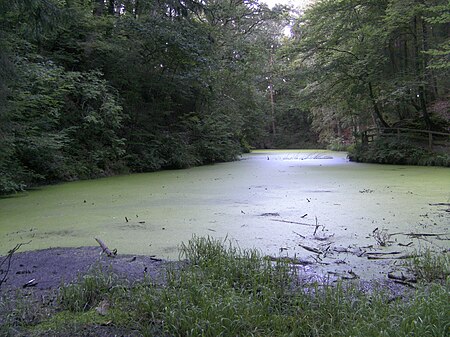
{"points": [[93, 87], [380, 62]]}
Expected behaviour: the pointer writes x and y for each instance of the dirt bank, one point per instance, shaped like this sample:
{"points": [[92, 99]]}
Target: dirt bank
{"points": [[45, 270]]}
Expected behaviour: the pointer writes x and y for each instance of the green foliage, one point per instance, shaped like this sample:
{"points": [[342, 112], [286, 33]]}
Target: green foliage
{"points": [[430, 266], [370, 63], [18, 311], [65, 323], [96, 88], [225, 264], [395, 151], [338, 144], [88, 291], [223, 290], [93, 121], [438, 15], [92, 88], [227, 291], [61, 126]]}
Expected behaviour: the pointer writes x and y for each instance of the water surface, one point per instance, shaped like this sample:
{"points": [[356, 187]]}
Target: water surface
{"points": [[270, 200]]}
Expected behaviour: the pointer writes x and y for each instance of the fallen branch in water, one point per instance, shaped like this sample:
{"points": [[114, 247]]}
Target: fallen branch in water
{"points": [[383, 253], [302, 236], [319, 260], [311, 249], [344, 275], [289, 260], [419, 235], [401, 277], [105, 248], [381, 257], [294, 222], [317, 227]]}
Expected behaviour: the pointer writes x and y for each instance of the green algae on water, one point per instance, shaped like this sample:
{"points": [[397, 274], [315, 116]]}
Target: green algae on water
{"points": [[270, 200]]}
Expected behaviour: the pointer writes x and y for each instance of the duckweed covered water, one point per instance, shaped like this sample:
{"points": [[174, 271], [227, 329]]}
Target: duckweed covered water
{"points": [[271, 200]]}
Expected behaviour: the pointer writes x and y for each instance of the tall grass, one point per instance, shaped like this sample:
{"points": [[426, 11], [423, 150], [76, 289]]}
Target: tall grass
{"points": [[88, 291], [429, 266], [222, 290], [226, 291]]}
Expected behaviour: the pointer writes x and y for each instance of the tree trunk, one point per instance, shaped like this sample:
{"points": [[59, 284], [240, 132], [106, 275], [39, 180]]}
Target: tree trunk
{"points": [[271, 91], [99, 7], [428, 74], [420, 28], [111, 9], [272, 108], [405, 55], [136, 9], [379, 117]]}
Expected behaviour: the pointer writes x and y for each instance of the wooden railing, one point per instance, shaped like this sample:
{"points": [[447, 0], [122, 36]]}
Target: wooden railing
{"points": [[433, 137]]}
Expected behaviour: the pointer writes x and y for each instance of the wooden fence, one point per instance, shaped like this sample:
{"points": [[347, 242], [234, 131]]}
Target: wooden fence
{"points": [[433, 138]]}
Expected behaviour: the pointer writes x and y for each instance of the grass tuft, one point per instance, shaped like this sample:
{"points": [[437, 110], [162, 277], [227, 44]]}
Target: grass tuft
{"points": [[88, 291], [430, 267]]}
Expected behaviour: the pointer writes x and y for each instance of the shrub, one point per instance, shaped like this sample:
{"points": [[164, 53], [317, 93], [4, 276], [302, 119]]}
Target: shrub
{"points": [[394, 151]]}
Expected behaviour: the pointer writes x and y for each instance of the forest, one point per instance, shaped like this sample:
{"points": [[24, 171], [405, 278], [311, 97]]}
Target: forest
{"points": [[92, 88]]}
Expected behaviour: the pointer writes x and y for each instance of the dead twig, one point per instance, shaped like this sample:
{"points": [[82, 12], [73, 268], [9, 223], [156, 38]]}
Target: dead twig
{"points": [[7, 260], [401, 277], [381, 257], [317, 227], [319, 261], [290, 260], [383, 253], [419, 235], [302, 236], [344, 275], [30, 283], [311, 249], [293, 222], [381, 236]]}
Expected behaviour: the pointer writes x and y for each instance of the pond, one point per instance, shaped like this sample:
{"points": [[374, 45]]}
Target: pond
{"points": [[281, 202]]}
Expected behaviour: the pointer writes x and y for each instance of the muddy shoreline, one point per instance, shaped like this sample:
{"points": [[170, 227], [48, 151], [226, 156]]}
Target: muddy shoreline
{"points": [[42, 272], [34, 278]]}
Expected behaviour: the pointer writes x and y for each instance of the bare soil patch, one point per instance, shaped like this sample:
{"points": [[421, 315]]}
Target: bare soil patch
{"points": [[45, 270]]}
